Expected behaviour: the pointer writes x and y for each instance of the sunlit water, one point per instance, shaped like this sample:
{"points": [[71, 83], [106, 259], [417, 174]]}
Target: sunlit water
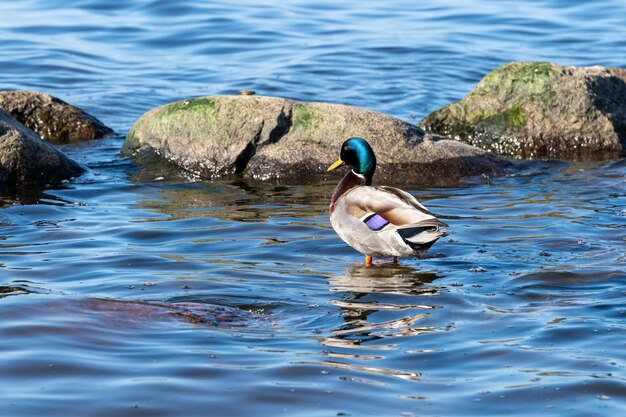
{"points": [[139, 292]]}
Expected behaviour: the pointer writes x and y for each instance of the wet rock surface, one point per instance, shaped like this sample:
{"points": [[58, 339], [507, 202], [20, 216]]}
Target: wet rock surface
{"points": [[537, 109], [53, 119], [133, 313], [27, 159], [272, 137]]}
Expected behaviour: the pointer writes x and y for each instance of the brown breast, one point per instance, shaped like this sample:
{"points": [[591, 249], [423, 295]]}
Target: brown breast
{"points": [[349, 181]]}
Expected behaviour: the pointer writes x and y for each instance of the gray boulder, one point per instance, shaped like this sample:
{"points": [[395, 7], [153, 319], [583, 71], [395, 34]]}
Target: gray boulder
{"points": [[538, 109], [27, 159], [271, 137], [53, 119]]}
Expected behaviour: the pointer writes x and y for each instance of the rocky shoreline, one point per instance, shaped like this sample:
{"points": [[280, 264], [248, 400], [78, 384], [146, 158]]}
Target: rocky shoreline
{"points": [[520, 110], [270, 137]]}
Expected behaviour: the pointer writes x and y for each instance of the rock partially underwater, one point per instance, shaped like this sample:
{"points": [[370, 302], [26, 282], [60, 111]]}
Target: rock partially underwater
{"points": [[66, 312], [27, 159], [136, 313], [272, 137], [538, 109], [53, 119]]}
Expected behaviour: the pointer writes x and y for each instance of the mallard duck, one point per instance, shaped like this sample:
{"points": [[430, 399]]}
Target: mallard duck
{"points": [[377, 221]]}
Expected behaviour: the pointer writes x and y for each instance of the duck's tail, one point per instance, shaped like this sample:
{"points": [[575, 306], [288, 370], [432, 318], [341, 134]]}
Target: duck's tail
{"points": [[422, 235]]}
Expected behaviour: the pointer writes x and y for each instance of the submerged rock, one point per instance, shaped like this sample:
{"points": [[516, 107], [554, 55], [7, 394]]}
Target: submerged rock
{"points": [[27, 159], [133, 313], [271, 137], [53, 119], [537, 109]]}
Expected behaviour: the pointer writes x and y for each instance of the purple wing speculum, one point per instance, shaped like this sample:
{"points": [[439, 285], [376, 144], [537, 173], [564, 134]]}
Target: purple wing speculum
{"points": [[376, 222]]}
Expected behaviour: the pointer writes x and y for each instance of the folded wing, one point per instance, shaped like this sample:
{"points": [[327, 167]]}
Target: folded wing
{"points": [[383, 208]]}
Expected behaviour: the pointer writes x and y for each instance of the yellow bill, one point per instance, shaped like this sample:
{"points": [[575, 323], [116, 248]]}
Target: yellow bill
{"points": [[336, 165]]}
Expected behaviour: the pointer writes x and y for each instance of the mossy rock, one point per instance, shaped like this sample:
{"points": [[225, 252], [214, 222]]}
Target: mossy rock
{"points": [[538, 109], [272, 137], [53, 119]]}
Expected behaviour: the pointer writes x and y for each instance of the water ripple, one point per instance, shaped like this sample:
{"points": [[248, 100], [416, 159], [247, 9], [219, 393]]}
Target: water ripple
{"points": [[114, 283]]}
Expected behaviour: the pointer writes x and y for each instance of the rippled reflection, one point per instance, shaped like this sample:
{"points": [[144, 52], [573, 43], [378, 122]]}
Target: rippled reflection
{"points": [[378, 304], [7, 291], [241, 200], [412, 376], [384, 279]]}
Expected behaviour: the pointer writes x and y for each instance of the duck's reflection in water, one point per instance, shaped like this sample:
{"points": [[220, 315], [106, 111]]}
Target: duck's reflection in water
{"points": [[379, 304], [384, 279]]}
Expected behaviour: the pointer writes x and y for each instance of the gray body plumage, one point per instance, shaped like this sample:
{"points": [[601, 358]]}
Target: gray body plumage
{"points": [[410, 228]]}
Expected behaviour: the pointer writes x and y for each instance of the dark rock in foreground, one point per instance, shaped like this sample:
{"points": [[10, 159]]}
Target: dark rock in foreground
{"points": [[536, 109], [53, 119], [27, 159], [153, 313], [271, 137]]}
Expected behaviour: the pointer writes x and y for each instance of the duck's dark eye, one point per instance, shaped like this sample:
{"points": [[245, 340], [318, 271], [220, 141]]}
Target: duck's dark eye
{"points": [[345, 148]]}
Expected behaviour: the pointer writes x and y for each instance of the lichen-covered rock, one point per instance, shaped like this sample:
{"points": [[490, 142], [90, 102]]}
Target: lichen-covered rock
{"points": [[271, 137], [537, 109], [210, 135], [27, 159], [53, 119]]}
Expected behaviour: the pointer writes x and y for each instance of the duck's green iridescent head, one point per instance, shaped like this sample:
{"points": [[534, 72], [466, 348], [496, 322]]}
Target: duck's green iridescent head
{"points": [[358, 154]]}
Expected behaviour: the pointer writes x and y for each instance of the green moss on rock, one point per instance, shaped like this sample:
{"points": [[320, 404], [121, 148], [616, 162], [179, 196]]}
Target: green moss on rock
{"points": [[201, 104], [511, 118], [305, 117], [537, 109], [130, 143], [526, 80], [527, 72]]}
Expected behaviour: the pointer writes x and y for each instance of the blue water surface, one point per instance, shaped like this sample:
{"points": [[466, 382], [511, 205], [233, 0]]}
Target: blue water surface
{"points": [[137, 291]]}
